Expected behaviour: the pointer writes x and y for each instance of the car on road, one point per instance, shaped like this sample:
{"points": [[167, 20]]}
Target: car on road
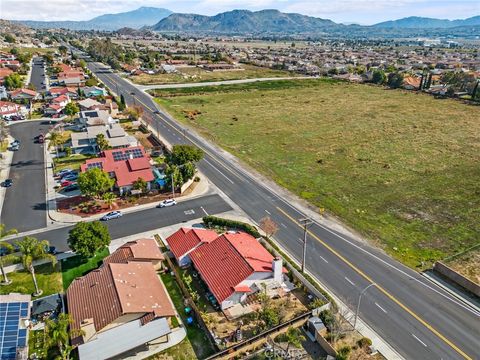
{"points": [[15, 142], [167, 203], [111, 215], [15, 148], [7, 183], [70, 188]]}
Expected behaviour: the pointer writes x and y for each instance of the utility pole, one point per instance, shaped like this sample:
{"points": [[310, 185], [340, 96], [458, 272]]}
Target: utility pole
{"points": [[358, 304], [305, 222]]}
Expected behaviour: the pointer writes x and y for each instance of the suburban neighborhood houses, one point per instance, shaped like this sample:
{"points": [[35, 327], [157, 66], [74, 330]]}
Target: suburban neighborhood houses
{"points": [[255, 184]]}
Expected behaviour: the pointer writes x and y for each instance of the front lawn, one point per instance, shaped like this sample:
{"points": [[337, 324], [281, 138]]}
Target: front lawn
{"points": [[71, 162], [198, 340], [75, 266], [49, 280]]}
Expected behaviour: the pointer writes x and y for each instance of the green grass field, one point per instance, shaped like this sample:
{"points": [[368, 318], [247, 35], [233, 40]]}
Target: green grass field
{"points": [[195, 75], [401, 168]]}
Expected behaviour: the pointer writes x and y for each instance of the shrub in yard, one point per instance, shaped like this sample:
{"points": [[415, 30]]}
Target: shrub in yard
{"points": [[212, 221], [343, 352], [364, 342], [327, 318]]}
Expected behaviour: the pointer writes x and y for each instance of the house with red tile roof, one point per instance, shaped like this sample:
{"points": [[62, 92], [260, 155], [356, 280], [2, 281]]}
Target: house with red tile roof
{"points": [[10, 108], [21, 94], [184, 241], [125, 165], [121, 306], [233, 265], [4, 72]]}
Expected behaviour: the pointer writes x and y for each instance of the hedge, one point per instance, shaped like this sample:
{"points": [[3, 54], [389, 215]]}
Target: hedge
{"points": [[212, 221]]}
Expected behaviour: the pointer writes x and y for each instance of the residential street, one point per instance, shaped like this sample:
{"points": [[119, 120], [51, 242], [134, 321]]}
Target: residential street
{"points": [[417, 318], [24, 206], [38, 75], [146, 220]]}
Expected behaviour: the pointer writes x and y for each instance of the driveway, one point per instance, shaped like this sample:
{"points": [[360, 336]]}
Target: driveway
{"points": [[24, 207]]}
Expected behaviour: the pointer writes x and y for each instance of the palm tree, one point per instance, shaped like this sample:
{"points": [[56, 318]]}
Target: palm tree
{"points": [[5, 251], [58, 334], [294, 337], [33, 249], [109, 199], [55, 140]]}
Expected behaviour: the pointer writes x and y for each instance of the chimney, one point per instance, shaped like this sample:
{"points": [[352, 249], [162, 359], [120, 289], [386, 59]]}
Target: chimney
{"points": [[277, 267]]}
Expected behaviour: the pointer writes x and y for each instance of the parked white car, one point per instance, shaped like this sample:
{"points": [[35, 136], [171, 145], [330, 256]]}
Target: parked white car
{"points": [[167, 203]]}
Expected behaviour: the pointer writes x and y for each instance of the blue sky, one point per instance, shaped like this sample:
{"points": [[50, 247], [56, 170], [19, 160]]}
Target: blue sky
{"points": [[346, 11]]}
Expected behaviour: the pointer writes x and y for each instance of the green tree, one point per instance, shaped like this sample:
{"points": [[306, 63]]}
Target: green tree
{"points": [[91, 82], [122, 105], [182, 154], [109, 199], [63, 50], [188, 171], [87, 238], [71, 109], [294, 337], [395, 80], [12, 81], [173, 171], [6, 250], [58, 334], [379, 77], [9, 38], [102, 142], [83, 64], [55, 139], [33, 249], [140, 184], [94, 182]]}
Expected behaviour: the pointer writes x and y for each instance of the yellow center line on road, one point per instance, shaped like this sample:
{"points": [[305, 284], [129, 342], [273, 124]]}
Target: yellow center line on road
{"points": [[385, 292]]}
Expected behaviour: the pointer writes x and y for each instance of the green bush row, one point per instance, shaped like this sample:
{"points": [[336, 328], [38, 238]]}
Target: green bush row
{"points": [[212, 221]]}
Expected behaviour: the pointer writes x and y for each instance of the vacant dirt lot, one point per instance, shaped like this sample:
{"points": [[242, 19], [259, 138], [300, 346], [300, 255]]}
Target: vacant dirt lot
{"points": [[400, 167]]}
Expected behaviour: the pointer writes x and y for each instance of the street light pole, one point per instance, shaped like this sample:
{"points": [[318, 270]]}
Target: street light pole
{"points": [[305, 222], [358, 304]]}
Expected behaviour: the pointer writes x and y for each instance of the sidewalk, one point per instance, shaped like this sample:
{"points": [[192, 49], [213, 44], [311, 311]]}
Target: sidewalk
{"points": [[5, 163]]}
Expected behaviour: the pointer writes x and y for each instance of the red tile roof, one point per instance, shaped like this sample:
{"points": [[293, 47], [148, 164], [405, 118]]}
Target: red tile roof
{"points": [[24, 91], [184, 240], [221, 267], [60, 98], [119, 288], [126, 171], [141, 249], [251, 250]]}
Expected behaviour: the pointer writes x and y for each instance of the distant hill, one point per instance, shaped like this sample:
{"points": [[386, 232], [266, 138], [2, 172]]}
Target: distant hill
{"points": [[245, 21], [415, 22], [144, 16]]}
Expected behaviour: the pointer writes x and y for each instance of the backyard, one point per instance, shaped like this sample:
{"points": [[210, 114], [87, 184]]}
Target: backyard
{"points": [[195, 74], [197, 345], [395, 165]]}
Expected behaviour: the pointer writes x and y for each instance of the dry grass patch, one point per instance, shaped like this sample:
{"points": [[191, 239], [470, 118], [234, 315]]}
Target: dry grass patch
{"points": [[402, 168]]}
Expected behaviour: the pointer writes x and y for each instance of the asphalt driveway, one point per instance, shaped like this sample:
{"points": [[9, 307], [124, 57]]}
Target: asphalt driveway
{"points": [[24, 207]]}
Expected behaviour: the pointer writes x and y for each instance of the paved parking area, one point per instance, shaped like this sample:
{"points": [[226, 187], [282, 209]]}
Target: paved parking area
{"points": [[24, 207]]}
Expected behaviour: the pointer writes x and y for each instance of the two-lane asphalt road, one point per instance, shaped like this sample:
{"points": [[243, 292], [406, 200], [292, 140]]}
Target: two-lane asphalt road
{"points": [[38, 79], [145, 220], [414, 316], [24, 206]]}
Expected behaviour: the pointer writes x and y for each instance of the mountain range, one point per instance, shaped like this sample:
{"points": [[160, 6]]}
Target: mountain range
{"points": [[144, 16], [249, 22], [415, 22], [245, 21]]}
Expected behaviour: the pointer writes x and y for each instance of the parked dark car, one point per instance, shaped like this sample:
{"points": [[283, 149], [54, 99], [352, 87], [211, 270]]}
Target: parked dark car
{"points": [[7, 183]]}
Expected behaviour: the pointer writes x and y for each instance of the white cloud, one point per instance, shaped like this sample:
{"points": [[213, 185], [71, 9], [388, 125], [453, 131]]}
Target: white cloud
{"points": [[363, 11]]}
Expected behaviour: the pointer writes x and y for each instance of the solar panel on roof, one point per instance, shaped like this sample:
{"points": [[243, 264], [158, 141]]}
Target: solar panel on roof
{"points": [[11, 337], [126, 154], [94, 165]]}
